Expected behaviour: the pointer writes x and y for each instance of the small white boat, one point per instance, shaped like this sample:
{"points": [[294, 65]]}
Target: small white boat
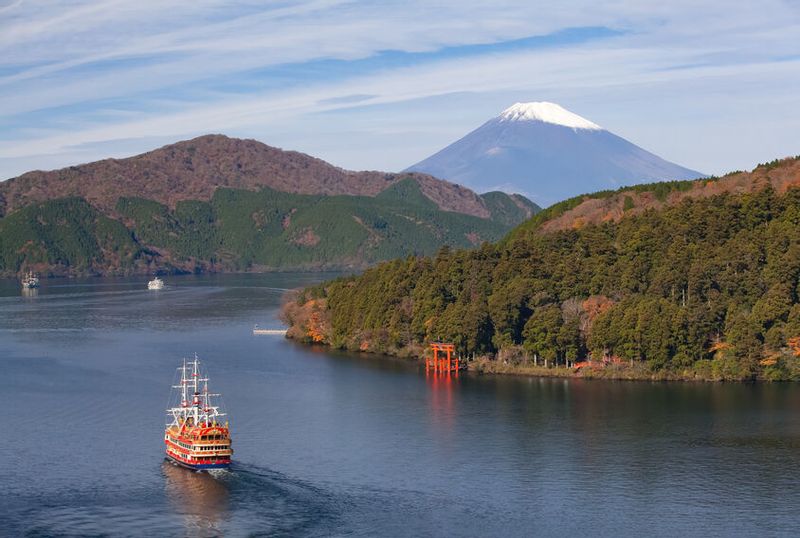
{"points": [[155, 284], [30, 281]]}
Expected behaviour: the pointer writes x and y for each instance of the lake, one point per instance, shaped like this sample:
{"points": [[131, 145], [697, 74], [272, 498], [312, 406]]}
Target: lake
{"points": [[330, 443]]}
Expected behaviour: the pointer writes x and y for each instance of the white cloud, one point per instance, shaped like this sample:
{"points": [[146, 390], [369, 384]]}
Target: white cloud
{"points": [[145, 55]]}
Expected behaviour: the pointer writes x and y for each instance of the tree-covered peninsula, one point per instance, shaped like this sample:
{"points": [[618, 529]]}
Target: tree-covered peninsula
{"points": [[689, 280]]}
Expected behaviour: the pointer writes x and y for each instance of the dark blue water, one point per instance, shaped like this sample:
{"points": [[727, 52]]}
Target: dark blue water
{"points": [[336, 444]]}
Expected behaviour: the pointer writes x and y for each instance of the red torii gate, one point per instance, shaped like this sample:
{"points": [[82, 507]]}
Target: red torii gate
{"points": [[447, 363]]}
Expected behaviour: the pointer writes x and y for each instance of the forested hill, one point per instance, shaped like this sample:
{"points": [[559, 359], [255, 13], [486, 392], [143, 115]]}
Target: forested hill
{"points": [[604, 206], [221, 204], [702, 285], [194, 169], [236, 230]]}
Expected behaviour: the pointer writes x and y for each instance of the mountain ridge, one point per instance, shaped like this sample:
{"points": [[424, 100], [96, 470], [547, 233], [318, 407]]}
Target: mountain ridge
{"points": [[604, 206], [193, 169], [220, 204]]}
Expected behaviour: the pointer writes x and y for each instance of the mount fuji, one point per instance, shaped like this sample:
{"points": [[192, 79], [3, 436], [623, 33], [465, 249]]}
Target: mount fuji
{"points": [[547, 153]]}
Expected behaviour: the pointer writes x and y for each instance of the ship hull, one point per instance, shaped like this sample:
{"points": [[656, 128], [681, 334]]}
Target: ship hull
{"points": [[197, 466]]}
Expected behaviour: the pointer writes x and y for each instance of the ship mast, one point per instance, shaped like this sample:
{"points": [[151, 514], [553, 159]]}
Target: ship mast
{"points": [[195, 399], [184, 400], [199, 409]]}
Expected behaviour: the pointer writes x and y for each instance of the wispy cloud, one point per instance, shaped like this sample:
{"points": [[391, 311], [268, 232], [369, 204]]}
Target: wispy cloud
{"points": [[75, 76]]}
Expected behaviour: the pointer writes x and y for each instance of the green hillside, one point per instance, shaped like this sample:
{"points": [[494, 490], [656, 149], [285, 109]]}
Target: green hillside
{"points": [[65, 235], [707, 288], [236, 230], [504, 209]]}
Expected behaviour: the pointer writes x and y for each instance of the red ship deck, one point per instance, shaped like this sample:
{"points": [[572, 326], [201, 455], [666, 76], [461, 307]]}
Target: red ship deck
{"points": [[200, 447]]}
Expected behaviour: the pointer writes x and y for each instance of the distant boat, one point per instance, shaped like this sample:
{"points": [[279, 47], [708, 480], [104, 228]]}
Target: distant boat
{"points": [[155, 284], [30, 281], [196, 437]]}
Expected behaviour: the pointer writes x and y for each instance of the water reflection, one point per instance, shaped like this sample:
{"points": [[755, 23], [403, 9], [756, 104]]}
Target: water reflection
{"points": [[441, 400], [201, 498], [30, 292]]}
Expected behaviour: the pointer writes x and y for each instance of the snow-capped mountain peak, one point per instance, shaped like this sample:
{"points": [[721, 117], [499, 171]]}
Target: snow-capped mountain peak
{"points": [[548, 113], [548, 154]]}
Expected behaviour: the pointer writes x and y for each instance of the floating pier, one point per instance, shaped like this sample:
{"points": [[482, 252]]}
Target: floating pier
{"points": [[257, 330]]}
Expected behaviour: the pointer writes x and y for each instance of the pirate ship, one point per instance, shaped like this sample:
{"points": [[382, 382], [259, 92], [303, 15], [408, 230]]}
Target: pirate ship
{"points": [[195, 436]]}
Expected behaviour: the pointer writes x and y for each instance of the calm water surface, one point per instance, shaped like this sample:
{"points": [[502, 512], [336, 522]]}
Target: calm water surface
{"points": [[336, 444]]}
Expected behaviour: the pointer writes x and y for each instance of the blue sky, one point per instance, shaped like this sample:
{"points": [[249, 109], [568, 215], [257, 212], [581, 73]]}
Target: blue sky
{"points": [[714, 86]]}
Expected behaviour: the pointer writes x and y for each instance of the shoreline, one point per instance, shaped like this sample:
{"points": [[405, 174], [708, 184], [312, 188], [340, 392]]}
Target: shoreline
{"points": [[51, 275], [485, 366], [610, 373]]}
